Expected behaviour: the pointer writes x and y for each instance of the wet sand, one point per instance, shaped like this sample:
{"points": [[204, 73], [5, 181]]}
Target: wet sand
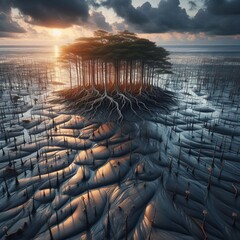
{"points": [[167, 176]]}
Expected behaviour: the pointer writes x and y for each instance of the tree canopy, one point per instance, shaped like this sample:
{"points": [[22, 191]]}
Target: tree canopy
{"points": [[119, 61], [115, 73]]}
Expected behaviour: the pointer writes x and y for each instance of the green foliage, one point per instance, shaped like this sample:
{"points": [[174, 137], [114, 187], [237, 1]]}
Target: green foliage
{"points": [[117, 62], [123, 46]]}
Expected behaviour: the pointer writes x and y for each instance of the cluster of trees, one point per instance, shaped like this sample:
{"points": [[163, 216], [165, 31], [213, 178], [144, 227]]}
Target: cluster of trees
{"points": [[115, 62]]}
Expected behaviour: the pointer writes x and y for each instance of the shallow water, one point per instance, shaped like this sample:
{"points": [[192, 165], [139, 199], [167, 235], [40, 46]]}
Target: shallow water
{"points": [[168, 176]]}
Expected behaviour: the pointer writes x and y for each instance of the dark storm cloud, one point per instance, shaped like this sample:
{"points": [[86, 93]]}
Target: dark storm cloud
{"points": [[218, 17], [5, 35], [53, 13], [223, 7], [5, 6], [99, 21], [192, 5], [125, 9], [205, 21], [50, 13], [169, 16], [7, 26]]}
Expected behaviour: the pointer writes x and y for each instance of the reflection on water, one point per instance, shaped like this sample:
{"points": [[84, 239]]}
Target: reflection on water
{"points": [[216, 50], [56, 65], [41, 61], [40, 53], [60, 75], [56, 51], [193, 59]]}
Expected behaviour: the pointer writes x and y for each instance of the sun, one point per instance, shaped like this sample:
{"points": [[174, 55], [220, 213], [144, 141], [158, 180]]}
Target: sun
{"points": [[56, 33]]}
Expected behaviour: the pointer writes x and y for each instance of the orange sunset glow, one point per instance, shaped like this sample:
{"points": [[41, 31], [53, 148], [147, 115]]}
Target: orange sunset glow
{"points": [[21, 24]]}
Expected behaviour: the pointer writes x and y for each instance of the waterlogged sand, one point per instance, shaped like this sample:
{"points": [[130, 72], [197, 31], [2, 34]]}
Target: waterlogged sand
{"points": [[174, 176]]}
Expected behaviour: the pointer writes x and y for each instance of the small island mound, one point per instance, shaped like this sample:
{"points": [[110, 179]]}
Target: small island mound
{"points": [[115, 72]]}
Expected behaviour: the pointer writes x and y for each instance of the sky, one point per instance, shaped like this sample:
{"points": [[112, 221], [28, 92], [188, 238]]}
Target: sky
{"points": [[178, 22]]}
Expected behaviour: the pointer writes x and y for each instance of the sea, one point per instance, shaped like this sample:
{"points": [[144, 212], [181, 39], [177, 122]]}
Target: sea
{"points": [[227, 57], [175, 50]]}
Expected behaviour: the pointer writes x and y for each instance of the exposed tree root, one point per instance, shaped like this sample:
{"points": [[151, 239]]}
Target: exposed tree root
{"points": [[115, 105]]}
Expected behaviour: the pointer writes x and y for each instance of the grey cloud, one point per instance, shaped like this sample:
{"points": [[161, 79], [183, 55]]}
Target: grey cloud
{"points": [[8, 27], [6, 35], [5, 6], [50, 13], [192, 5], [205, 21], [125, 9], [168, 16], [99, 21], [53, 13], [223, 7], [219, 17]]}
